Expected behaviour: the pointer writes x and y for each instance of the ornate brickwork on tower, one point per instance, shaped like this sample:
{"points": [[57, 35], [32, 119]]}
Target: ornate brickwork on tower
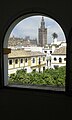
{"points": [[42, 34]]}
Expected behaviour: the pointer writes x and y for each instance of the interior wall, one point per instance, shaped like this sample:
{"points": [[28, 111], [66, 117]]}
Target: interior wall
{"points": [[20, 103]]}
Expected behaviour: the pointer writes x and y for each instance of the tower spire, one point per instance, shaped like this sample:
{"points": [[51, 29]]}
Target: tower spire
{"points": [[42, 23]]}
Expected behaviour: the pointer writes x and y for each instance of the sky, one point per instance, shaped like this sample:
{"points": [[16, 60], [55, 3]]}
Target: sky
{"points": [[29, 27]]}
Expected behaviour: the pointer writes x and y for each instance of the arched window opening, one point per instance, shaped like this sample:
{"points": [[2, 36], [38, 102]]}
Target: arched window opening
{"points": [[64, 59], [39, 60], [43, 58], [60, 60], [33, 60], [10, 62], [55, 58], [26, 60], [16, 61], [21, 60], [36, 39]]}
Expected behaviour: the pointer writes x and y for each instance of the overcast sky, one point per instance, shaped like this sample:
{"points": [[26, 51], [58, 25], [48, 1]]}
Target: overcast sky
{"points": [[29, 27]]}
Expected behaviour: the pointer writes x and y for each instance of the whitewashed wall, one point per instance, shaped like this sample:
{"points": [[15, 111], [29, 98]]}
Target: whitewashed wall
{"points": [[57, 61]]}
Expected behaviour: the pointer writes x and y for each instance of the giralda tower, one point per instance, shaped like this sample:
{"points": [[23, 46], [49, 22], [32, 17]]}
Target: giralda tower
{"points": [[42, 34]]}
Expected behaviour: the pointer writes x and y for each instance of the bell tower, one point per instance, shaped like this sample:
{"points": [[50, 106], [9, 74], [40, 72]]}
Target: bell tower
{"points": [[42, 34], [42, 23]]}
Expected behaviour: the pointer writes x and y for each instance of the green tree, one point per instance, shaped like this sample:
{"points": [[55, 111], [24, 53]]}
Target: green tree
{"points": [[48, 77], [54, 35]]}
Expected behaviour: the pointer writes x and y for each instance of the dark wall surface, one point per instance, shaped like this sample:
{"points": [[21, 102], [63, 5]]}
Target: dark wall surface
{"points": [[23, 104]]}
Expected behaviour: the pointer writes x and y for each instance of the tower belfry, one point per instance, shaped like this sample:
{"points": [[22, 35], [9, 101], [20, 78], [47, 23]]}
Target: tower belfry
{"points": [[42, 34], [42, 23]]}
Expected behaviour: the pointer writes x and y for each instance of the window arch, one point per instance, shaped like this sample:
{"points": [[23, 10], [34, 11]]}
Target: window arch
{"points": [[64, 59], [33, 60], [21, 60], [60, 60], [26, 60], [55, 58], [10, 62], [16, 61], [6, 38]]}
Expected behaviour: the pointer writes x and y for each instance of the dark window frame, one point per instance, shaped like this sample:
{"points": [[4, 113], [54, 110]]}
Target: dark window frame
{"points": [[68, 86], [33, 60], [50, 52], [43, 68], [10, 62], [56, 66], [16, 61], [21, 60], [34, 70], [25, 69], [55, 59], [39, 60], [60, 60], [43, 58], [64, 59], [45, 51], [26, 60]]}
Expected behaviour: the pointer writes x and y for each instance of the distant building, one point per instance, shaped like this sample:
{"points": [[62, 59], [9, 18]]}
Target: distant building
{"points": [[27, 37], [58, 57], [18, 42], [55, 53], [28, 60], [42, 34], [47, 52]]}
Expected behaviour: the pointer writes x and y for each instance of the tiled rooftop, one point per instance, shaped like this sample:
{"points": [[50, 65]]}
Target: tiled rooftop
{"points": [[23, 53], [60, 51]]}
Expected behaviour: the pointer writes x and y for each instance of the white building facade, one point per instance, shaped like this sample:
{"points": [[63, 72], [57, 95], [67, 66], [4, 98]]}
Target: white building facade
{"points": [[27, 60], [58, 57]]}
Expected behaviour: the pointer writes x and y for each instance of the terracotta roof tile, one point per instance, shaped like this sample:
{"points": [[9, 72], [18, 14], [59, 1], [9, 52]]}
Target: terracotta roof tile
{"points": [[60, 51], [23, 53]]}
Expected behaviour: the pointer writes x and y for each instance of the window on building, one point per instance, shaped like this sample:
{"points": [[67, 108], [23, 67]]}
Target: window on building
{"points": [[56, 66], [55, 58], [45, 51], [33, 60], [47, 62], [34, 70], [21, 60], [43, 68], [50, 62], [64, 59], [60, 60], [10, 62], [16, 61], [26, 60], [39, 61], [50, 52], [43, 58]]}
